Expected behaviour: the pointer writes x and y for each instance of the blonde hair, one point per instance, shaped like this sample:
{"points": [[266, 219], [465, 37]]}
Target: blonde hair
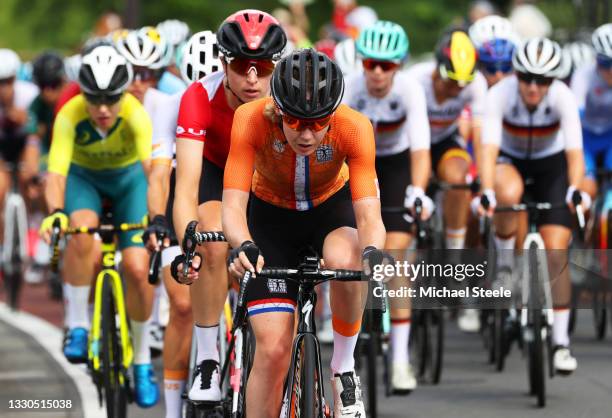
{"points": [[271, 112]]}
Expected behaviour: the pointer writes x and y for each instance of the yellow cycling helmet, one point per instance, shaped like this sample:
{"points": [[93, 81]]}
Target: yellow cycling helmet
{"points": [[456, 57]]}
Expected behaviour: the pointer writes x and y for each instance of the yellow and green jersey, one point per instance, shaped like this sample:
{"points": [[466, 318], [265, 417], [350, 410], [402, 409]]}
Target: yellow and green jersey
{"points": [[77, 140]]}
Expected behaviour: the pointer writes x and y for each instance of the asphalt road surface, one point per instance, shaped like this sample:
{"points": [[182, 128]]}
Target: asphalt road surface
{"points": [[31, 367]]}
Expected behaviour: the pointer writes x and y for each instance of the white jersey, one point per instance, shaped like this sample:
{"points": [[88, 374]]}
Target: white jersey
{"points": [[164, 128], [25, 93], [443, 117], [153, 100], [399, 118], [552, 127], [594, 98]]}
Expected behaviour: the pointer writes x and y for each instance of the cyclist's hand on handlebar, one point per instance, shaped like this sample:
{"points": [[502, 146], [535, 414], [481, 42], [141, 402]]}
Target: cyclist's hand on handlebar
{"points": [[372, 257], [46, 227], [157, 228], [484, 204], [581, 198], [238, 262], [177, 270], [412, 194]]}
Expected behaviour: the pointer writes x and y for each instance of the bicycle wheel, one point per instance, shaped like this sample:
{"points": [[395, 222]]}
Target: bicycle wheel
{"points": [[436, 342], [500, 339], [535, 347], [600, 316], [13, 268], [304, 399], [244, 349], [420, 339], [112, 373], [373, 317]]}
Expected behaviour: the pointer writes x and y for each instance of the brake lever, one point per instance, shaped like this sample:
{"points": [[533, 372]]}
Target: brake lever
{"points": [[189, 246]]}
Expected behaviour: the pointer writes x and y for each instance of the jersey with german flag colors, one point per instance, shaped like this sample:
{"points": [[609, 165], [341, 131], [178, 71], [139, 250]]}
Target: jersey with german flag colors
{"points": [[443, 117], [552, 127], [399, 118], [262, 161]]}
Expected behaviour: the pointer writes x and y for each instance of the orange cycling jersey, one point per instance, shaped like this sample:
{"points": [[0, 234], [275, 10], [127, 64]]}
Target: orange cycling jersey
{"points": [[260, 159]]}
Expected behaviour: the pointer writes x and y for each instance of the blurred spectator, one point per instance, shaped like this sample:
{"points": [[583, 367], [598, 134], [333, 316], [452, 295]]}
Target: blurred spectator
{"points": [[295, 22], [479, 9], [529, 21], [107, 23], [326, 46], [348, 18]]}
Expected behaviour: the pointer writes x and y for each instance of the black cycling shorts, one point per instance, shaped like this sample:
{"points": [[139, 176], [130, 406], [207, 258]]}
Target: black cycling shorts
{"points": [[548, 183], [211, 182], [11, 146], [282, 235], [451, 146], [393, 174]]}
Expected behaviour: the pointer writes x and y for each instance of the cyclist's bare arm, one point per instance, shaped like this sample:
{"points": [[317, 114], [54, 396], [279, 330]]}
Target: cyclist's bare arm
{"points": [[158, 186], [487, 168], [575, 166], [370, 226], [55, 189], [235, 227], [188, 171], [420, 168]]}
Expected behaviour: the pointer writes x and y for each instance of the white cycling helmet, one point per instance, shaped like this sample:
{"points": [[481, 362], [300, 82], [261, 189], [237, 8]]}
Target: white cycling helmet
{"points": [[346, 57], [143, 48], [200, 56], [9, 63], [490, 28], [602, 40], [104, 71], [175, 31], [539, 56], [580, 54], [72, 65]]}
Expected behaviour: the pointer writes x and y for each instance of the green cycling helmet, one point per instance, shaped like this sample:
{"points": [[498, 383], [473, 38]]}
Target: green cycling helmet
{"points": [[384, 40]]}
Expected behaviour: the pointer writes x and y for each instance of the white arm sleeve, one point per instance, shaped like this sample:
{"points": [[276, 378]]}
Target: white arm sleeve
{"points": [[570, 118], [493, 115], [418, 123], [479, 93], [580, 85], [164, 127]]}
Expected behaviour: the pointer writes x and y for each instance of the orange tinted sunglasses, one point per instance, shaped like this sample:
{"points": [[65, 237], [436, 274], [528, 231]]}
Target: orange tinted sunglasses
{"points": [[314, 125]]}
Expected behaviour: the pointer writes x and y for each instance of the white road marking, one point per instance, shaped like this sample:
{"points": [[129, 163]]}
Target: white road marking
{"points": [[50, 338]]}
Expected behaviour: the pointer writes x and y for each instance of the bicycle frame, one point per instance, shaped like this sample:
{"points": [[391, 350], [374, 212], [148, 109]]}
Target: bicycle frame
{"points": [[109, 273]]}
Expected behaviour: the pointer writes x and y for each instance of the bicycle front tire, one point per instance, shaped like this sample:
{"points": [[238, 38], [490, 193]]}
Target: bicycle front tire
{"points": [[304, 399], [114, 390], [535, 347]]}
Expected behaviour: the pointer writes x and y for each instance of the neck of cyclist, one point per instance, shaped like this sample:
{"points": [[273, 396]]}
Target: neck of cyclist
{"points": [[231, 96]]}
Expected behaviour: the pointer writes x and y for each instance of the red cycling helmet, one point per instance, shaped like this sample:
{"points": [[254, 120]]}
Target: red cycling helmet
{"points": [[251, 34]]}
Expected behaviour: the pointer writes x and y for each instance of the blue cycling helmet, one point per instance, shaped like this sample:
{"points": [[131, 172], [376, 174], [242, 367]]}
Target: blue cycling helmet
{"points": [[385, 41], [496, 50]]}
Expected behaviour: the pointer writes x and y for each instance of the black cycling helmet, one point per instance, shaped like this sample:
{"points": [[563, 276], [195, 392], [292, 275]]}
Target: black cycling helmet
{"points": [[48, 70], [306, 84]]}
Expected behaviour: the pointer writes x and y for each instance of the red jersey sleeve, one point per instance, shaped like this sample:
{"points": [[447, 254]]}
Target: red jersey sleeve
{"points": [[194, 113]]}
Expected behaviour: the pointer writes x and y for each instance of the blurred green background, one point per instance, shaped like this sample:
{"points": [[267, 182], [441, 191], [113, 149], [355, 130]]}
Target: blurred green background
{"points": [[29, 26]]}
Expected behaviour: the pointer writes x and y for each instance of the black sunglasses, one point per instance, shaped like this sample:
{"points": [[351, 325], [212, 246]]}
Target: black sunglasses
{"points": [[102, 99], [5, 81], [533, 78]]}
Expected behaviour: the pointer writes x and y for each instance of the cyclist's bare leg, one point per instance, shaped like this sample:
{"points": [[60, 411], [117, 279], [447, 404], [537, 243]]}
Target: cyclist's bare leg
{"points": [[454, 170], [208, 293], [556, 240], [508, 191], [347, 300], [5, 183], [139, 299], [400, 308], [589, 185], [274, 335], [177, 343], [78, 269]]}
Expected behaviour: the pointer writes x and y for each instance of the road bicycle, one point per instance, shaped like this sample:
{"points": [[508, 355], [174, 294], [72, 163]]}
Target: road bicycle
{"points": [[14, 251], [110, 352]]}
